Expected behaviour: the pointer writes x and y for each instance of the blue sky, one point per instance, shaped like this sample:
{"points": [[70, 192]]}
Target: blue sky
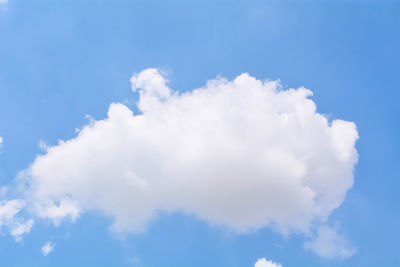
{"points": [[62, 60]]}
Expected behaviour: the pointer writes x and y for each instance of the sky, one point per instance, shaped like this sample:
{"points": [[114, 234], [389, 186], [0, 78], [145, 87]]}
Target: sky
{"points": [[199, 133]]}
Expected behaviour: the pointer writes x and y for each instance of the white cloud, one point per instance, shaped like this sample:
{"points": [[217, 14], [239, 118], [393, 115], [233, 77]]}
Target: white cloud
{"points": [[1, 138], [18, 228], [47, 248], [3, 2], [8, 210], [264, 263], [8, 218], [329, 244], [65, 209], [243, 153]]}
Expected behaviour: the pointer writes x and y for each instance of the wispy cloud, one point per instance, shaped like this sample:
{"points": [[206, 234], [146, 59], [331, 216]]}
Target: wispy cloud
{"points": [[17, 226], [330, 244], [47, 248]]}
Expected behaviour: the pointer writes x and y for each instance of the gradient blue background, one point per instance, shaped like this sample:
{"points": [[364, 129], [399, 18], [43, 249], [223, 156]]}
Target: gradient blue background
{"points": [[60, 60]]}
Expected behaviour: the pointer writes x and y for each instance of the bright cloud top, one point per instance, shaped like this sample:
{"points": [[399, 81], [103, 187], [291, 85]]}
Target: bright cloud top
{"points": [[243, 153], [264, 263]]}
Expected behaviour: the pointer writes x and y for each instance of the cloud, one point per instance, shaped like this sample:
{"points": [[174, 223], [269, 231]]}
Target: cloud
{"points": [[9, 219], [1, 138], [47, 248], [264, 263], [329, 244], [3, 2], [8, 210], [20, 228], [244, 154], [65, 209]]}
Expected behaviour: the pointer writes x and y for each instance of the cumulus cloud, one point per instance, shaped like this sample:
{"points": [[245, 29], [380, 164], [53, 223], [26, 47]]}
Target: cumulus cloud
{"points": [[264, 263], [47, 248], [244, 153], [329, 244]]}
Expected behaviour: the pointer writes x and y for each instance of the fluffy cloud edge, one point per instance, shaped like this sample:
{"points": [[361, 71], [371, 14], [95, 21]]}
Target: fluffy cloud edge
{"points": [[266, 263]]}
